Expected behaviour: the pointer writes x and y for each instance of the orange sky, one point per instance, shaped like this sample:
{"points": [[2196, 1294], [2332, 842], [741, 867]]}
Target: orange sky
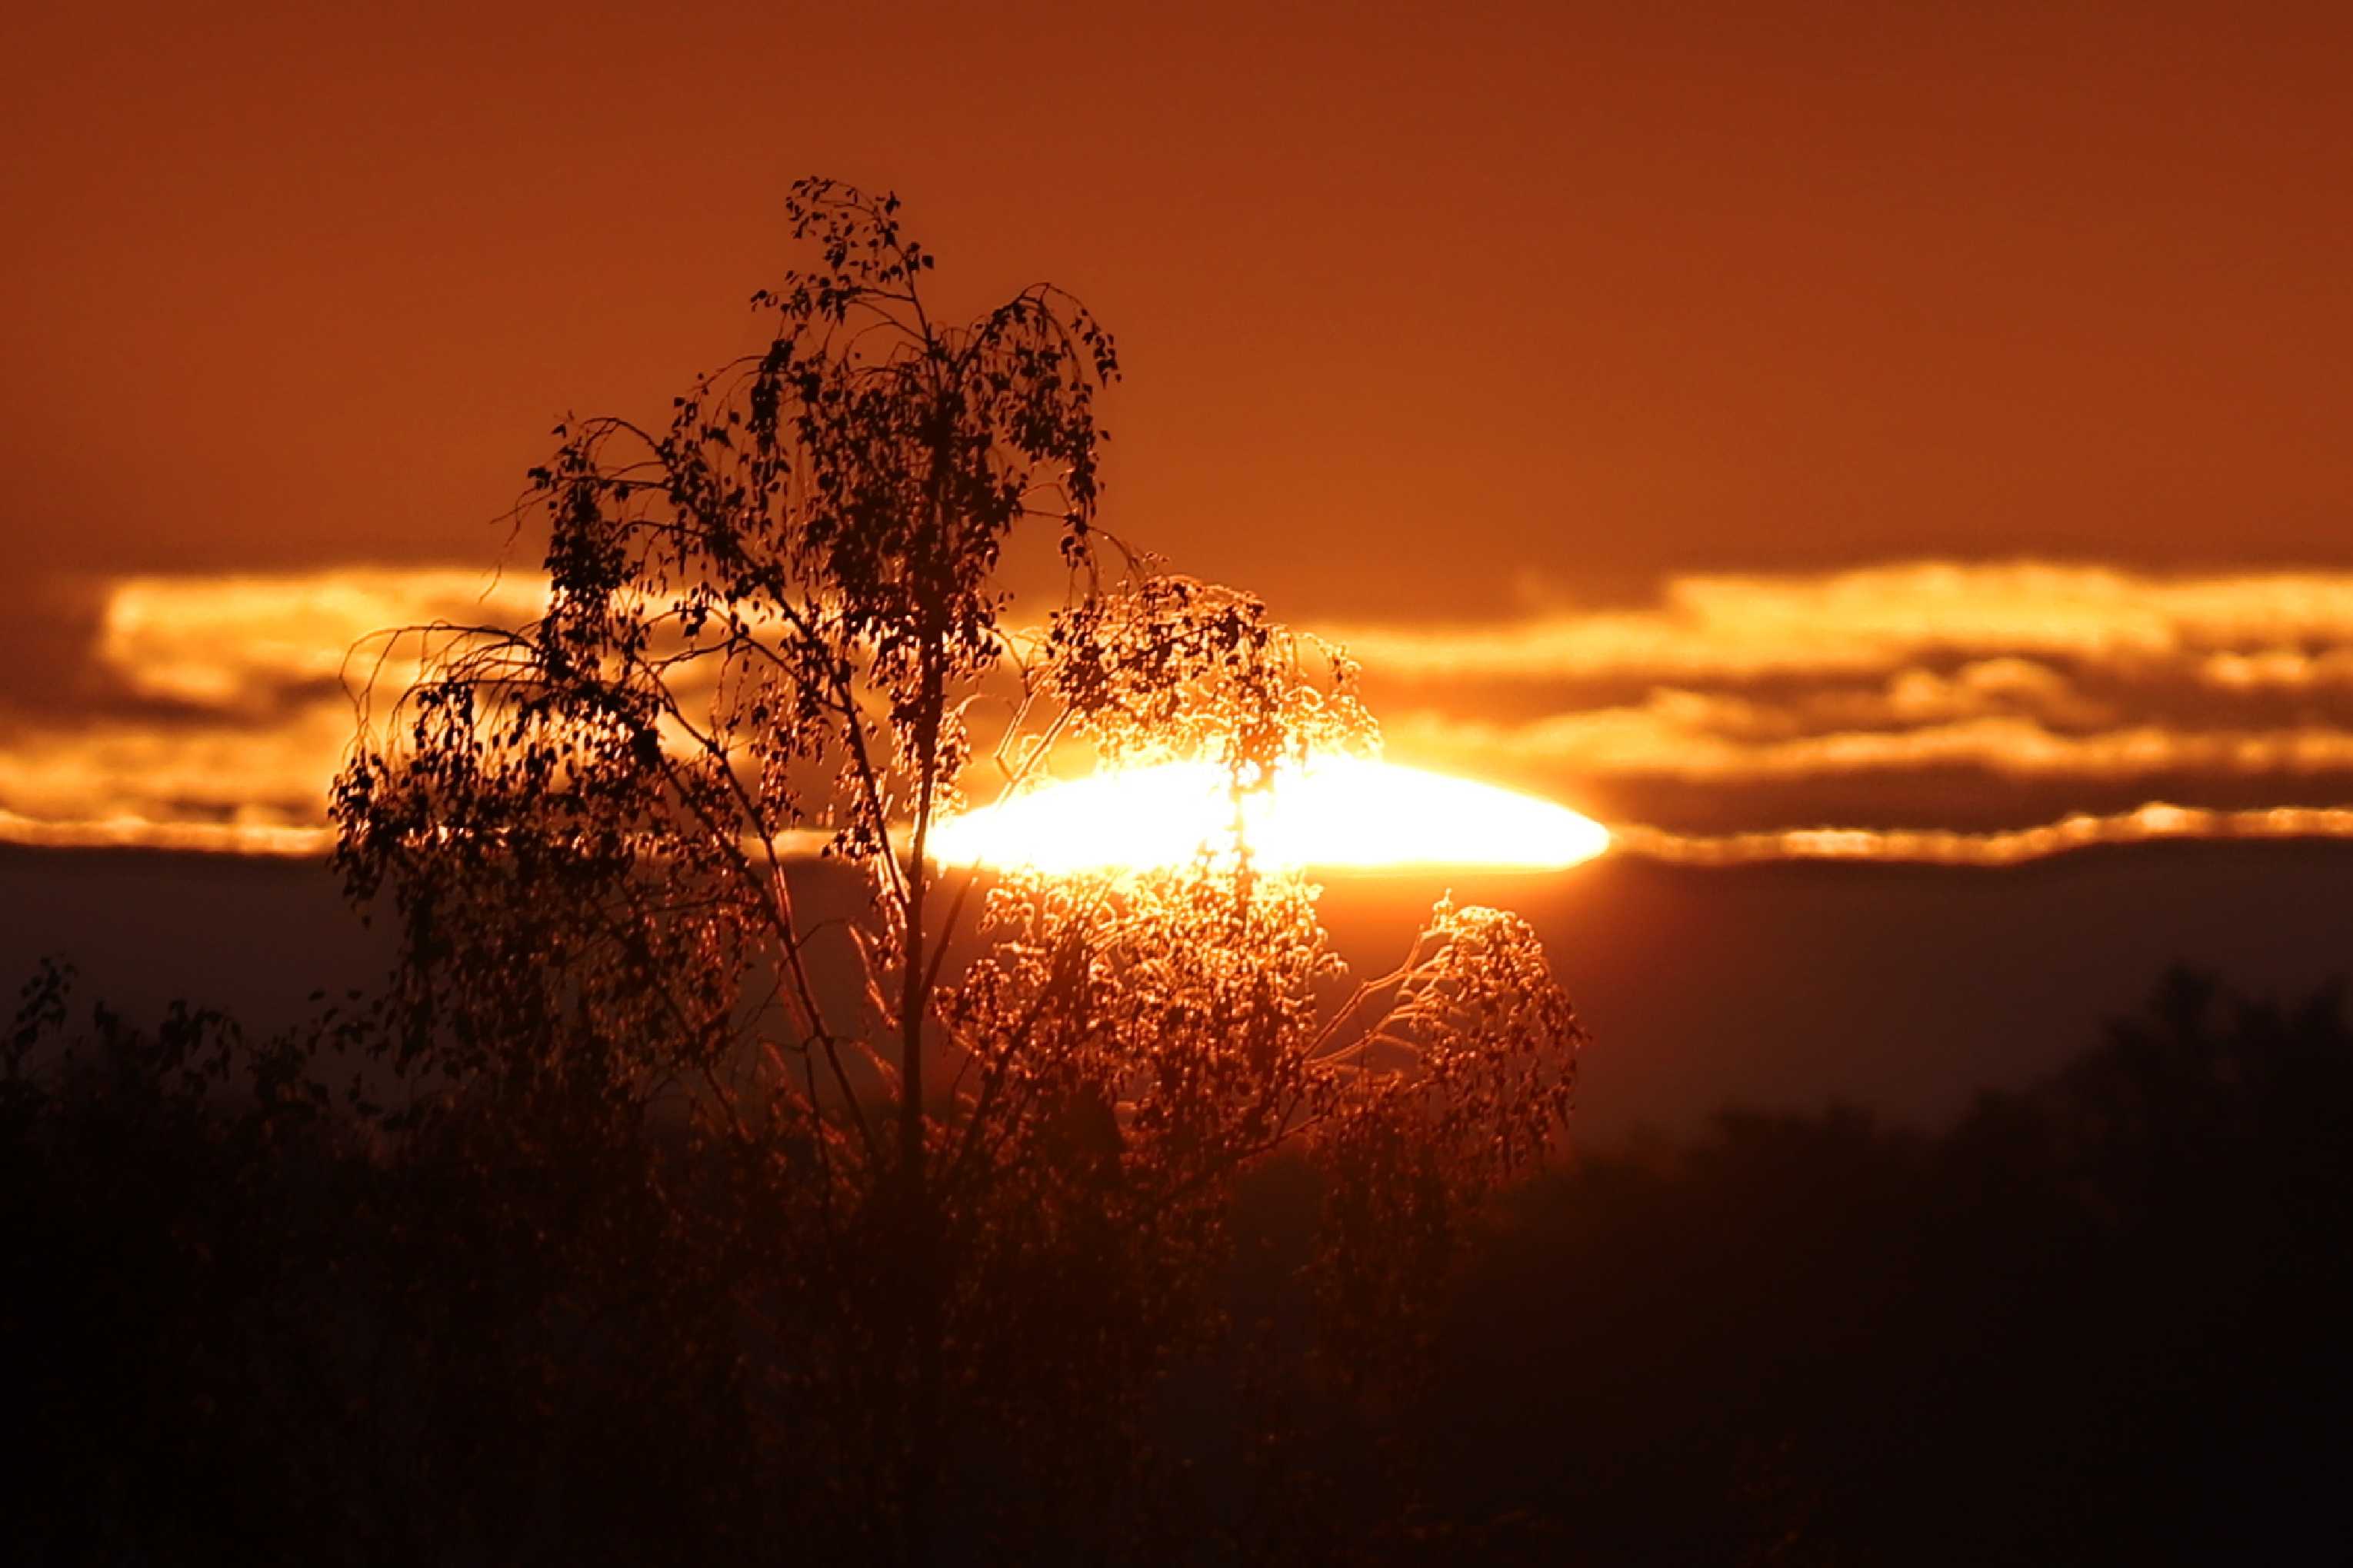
{"points": [[1589, 293], [1655, 346], [1433, 318]]}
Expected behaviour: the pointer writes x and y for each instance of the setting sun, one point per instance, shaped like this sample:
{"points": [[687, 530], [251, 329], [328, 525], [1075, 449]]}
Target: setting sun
{"points": [[1340, 813]]}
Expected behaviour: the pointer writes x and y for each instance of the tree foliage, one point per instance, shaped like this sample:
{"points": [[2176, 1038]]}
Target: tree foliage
{"points": [[985, 1132]]}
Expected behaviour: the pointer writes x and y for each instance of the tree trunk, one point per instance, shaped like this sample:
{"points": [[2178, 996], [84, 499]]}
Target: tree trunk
{"points": [[921, 1237]]}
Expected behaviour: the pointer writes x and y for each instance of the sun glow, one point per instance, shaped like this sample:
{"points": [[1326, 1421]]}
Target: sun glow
{"points": [[1337, 813]]}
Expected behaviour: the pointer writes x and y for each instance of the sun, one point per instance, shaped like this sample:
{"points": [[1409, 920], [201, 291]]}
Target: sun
{"points": [[1337, 813]]}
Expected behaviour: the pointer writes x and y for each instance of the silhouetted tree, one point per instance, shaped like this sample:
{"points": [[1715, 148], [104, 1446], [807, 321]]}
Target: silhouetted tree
{"points": [[978, 1190]]}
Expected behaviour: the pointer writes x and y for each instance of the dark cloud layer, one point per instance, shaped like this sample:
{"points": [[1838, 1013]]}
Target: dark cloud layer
{"points": [[1932, 697]]}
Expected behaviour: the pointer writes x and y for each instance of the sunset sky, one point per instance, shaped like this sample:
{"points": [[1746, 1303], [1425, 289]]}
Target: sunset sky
{"points": [[1758, 418], [1923, 423], [1633, 848]]}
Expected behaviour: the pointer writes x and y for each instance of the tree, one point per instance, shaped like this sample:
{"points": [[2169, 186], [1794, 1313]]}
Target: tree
{"points": [[981, 1146]]}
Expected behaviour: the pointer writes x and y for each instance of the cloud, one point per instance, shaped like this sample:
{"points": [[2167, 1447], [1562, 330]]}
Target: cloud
{"points": [[1937, 693], [1689, 736], [212, 711], [1874, 620], [131, 832], [272, 772], [2278, 669], [243, 643], [2010, 846]]}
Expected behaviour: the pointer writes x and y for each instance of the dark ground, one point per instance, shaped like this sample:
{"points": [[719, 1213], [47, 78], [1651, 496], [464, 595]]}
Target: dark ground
{"points": [[2096, 1315]]}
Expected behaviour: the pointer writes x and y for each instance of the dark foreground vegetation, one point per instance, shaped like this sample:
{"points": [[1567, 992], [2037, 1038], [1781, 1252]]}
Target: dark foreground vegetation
{"points": [[2101, 1321]]}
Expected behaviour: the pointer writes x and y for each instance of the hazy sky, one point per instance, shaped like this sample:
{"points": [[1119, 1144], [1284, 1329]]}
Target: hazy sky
{"points": [[1508, 317], [1583, 291]]}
